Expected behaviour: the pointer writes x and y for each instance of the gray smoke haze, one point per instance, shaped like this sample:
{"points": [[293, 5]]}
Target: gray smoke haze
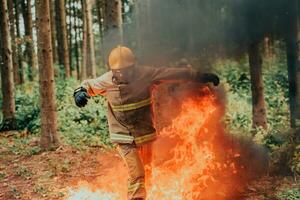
{"points": [[164, 31]]}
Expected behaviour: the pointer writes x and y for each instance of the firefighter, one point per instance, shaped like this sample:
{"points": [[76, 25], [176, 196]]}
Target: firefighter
{"points": [[127, 89]]}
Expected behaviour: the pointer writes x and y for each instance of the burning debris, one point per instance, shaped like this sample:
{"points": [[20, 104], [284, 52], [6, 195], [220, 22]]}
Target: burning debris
{"points": [[193, 156]]}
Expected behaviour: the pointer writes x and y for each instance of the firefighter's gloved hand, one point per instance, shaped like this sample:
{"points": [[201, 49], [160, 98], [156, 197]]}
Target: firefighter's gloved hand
{"points": [[81, 97], [209, 78]]}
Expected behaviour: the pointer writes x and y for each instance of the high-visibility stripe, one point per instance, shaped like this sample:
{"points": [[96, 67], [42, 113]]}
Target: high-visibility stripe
{"points": [[129, 138], [145, 138], [132, 106], [135, 186], [121, 137]]}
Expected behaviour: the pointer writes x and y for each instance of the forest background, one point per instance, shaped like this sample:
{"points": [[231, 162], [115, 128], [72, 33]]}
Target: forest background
{"points": [[252, 45]]}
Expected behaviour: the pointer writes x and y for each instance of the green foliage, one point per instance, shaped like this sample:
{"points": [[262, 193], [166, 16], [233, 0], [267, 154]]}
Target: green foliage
{"points": [[14, 192], [28, 107], [78, 127], [290, 194], [24, 172], [81, 127], [282, 143], [236, 77], [19, 145], [41, 190], [2, 175]]}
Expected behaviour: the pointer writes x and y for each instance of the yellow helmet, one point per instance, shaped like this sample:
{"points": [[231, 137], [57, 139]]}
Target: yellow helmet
{"points": [[120, 58]]}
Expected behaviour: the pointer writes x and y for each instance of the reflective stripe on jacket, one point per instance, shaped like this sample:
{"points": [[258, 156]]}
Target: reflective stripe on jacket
{"points": [[129, 105]]}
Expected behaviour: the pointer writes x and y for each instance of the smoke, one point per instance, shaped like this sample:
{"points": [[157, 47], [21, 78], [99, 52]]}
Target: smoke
{"points": [[161, 32]]}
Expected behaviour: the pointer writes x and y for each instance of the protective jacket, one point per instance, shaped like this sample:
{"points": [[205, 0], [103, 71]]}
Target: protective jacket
{"points": [[129, 105]]}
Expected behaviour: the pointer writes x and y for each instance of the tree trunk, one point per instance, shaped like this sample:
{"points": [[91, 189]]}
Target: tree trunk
{"points": [[113, 25], [29, 49], [8, 105], [100, 16], [70, 31], [62, 37], [49, 135], [91, 61], [84, 42], [60, 50], [292, 50], [99, 6], [10, 5], [259, 118], [18, 43], [53, 31], [76, 26]]}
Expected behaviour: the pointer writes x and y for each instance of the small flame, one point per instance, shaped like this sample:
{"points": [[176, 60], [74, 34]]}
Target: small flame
{"points": [[192, 159]]}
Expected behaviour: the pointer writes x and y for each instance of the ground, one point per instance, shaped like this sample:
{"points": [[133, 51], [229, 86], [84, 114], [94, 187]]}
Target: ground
{"points": [[28, 173]]}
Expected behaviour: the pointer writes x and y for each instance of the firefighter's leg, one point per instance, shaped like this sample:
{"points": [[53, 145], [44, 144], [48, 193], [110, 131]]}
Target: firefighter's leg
{"points": [[136, 182], [145, 152]]}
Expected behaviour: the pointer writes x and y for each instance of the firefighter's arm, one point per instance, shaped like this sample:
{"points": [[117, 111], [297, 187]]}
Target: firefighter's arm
{"points": [[88, 88], [184, 74], [164, 73], [94, 86]]}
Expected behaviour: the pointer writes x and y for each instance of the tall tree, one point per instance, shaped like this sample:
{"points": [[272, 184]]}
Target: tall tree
{"points": [[100, 12], [29, 49], [84, 42], [53, 31], [70, 31], [49, 136], [292, 49], [259, 115], [18, 42], [10, 5], [62, 36], [113, 24], [100, 16], [8, 105], [91, 60], [76, 39]]}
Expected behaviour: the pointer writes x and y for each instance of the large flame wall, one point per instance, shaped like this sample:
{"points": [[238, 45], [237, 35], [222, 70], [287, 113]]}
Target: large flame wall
{"points": [[193, 157]]}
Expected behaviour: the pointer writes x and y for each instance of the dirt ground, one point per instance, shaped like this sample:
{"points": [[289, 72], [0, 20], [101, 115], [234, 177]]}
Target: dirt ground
{"points": [[29, 174]]}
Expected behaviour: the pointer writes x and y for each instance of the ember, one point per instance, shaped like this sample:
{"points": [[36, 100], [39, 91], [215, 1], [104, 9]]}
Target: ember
{"points": [[193, 158]]}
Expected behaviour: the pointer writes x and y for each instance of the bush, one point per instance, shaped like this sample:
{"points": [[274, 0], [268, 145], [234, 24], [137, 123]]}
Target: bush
{"points": [[290, 194], [283, 145], [77, 127], [81, 126], [28, 107], [236, 77]]}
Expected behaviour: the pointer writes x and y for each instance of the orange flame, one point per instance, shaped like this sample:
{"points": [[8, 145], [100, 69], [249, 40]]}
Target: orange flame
{"points": [[192, 159]]}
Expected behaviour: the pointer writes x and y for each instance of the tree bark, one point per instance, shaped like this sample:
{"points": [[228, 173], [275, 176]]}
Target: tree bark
{"points": [[29, 49], [70, 30], [60, 54], [259, 115], [49, 135], [91, 61], [84, 42], [76, 26], [292, 50], [62, 36], [99, 6], [100, 16], [19, 43], [113, 27], [10, 5], [8, 105], [53, 31]]}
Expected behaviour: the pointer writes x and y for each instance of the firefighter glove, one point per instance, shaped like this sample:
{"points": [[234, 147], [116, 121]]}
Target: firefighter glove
{"points": [[81, 97], [208, 78]]}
